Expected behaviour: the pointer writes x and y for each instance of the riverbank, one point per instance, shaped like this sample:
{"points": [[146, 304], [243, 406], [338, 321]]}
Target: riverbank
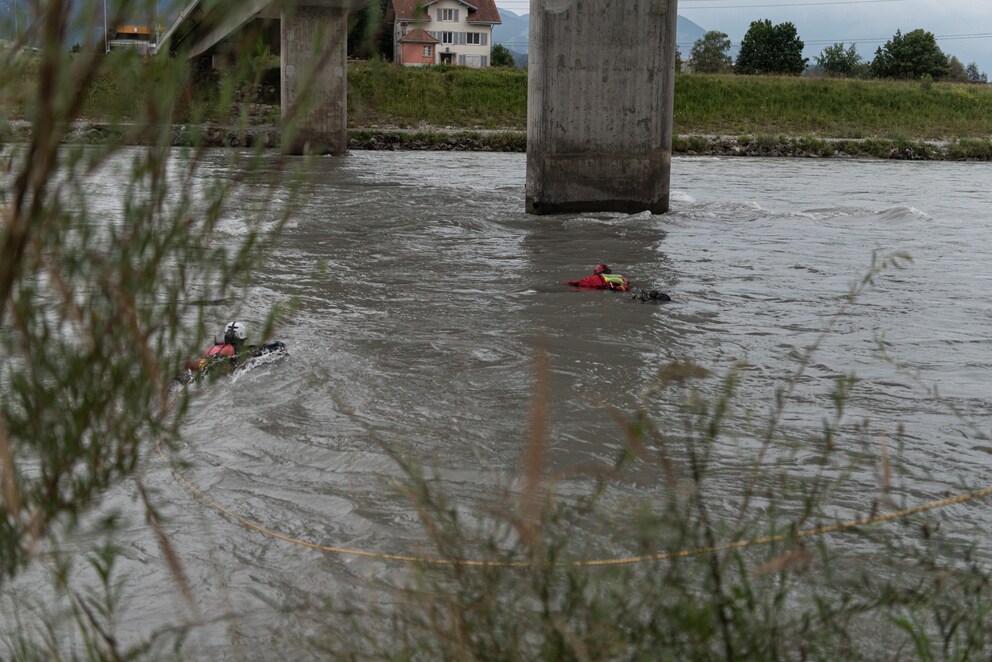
{"points": [[514, 140], [714, 115], [391, 107], [967, 149]]}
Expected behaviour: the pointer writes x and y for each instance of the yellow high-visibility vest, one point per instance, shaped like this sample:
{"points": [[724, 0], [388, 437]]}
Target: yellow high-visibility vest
{"points": [[613, 280]]}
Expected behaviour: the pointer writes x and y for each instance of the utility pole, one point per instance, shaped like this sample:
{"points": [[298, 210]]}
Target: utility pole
{"points": [[106, 41]]}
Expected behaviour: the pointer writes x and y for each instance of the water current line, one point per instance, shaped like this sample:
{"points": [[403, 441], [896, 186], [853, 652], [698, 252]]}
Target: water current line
{"points": [[837, 527]]}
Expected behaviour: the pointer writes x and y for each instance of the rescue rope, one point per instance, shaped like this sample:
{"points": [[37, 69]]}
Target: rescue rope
{"points": [[837, 527]]}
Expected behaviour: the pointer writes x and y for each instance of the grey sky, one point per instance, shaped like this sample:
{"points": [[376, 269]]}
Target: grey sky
{"points": [[963, 27]]}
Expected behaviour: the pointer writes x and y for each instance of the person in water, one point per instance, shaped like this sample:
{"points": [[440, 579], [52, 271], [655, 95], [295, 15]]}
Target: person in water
{"points": [[231, 353], [602, 278], [654, 296]]}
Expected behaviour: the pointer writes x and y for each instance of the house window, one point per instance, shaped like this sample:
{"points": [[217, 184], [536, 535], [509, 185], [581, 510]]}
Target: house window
{"points": [[447, 38], [447, 14], [474, 38], [427, 51]]}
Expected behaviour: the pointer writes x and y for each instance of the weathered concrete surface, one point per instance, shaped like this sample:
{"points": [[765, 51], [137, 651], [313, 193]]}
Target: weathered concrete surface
{"points": [[313, 48], [314, 84], [599, 105]]}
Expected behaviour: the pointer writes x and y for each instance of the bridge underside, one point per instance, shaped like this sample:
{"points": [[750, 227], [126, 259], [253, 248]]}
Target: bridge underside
{"points": [[600, 90], [311, 38], [203, 27]]}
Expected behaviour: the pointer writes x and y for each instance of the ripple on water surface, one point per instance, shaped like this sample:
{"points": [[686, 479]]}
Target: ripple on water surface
{"points": [[422, 291]]}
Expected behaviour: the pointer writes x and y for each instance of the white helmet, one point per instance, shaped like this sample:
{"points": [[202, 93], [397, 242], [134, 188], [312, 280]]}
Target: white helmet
{"points": [[235, 331]]}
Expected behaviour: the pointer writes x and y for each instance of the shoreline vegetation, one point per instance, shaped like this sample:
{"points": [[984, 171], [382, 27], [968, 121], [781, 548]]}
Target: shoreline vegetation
{"points": [[391, 107]]}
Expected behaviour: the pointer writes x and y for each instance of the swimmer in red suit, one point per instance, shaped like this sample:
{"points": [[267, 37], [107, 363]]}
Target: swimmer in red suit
{"points": [[602, 278]]}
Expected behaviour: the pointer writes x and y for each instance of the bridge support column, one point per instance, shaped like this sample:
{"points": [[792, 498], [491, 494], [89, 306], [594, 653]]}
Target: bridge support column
{"points": [[314, 78], [599, 105]]}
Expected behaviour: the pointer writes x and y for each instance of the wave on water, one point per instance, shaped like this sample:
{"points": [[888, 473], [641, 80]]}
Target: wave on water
{"points": [[901, 214], [256, 362], [420, 331], [619, 219]]}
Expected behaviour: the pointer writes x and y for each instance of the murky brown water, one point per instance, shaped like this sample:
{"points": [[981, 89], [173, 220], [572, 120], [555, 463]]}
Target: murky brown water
{"points": [[422, 288]]}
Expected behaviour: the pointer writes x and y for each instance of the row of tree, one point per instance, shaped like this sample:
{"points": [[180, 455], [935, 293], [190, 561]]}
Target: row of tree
{"points": [[777, 49]]}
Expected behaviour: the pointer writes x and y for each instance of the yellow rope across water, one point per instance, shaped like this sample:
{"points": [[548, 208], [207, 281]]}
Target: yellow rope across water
{"points": [[626, 560]]}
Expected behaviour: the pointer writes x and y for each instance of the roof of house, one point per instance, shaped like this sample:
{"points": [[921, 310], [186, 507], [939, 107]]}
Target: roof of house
{"points": [[479, 11], [418, 36]]}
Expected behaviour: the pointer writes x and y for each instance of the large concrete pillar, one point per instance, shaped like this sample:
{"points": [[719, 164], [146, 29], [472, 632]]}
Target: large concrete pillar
{"points": [[314, 77], [599, 105]]}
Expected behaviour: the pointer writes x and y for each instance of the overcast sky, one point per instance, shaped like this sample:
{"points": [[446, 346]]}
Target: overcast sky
{"points": [[963, 27]]}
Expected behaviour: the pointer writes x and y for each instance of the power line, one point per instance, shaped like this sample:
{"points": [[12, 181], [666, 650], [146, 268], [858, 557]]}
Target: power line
{"points": [[985, 35], [817, 3], [817, 42], [794, 4]]}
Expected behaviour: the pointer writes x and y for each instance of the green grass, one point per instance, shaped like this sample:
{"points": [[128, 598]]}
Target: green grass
{"points": [[831, 108], [388, 94], [382, 94]]}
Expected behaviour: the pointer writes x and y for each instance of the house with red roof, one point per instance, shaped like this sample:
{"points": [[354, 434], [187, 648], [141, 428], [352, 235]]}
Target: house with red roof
{"points": [[443, 31], [416, 48]]}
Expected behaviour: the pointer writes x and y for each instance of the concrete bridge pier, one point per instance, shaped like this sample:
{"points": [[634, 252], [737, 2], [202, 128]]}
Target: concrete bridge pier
{"points": [[313, 51], [600, 100]]}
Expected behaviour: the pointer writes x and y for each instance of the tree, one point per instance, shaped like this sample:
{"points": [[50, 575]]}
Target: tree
{"points": [[771, 49], [912, 55], [501, 57], [956, 71], [974, 75], [709, 54], [368, 33], [835, 60], [678, 60]]}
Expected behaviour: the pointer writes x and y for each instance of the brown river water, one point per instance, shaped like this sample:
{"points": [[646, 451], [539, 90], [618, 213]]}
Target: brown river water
{"points": [[423, 289]]}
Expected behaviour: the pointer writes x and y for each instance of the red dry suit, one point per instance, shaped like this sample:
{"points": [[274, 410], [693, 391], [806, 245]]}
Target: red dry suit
{"points": [[219, 350], [602, 282], [215, 353]]}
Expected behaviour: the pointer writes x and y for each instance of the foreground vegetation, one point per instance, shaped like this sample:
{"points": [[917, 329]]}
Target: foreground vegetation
{"points": [[103, 297]]}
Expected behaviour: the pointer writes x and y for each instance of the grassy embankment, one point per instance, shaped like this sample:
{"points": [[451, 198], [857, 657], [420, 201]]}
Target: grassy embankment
{"points": [[713, 113], [390, 106]]}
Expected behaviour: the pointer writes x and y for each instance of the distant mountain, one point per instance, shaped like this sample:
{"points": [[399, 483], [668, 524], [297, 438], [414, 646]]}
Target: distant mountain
{"points": [[686, 34], [513, 33], [519, 59]]}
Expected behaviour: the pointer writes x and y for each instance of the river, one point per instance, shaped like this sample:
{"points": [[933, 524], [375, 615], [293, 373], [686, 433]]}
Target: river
{"points": [[422, 290]]}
